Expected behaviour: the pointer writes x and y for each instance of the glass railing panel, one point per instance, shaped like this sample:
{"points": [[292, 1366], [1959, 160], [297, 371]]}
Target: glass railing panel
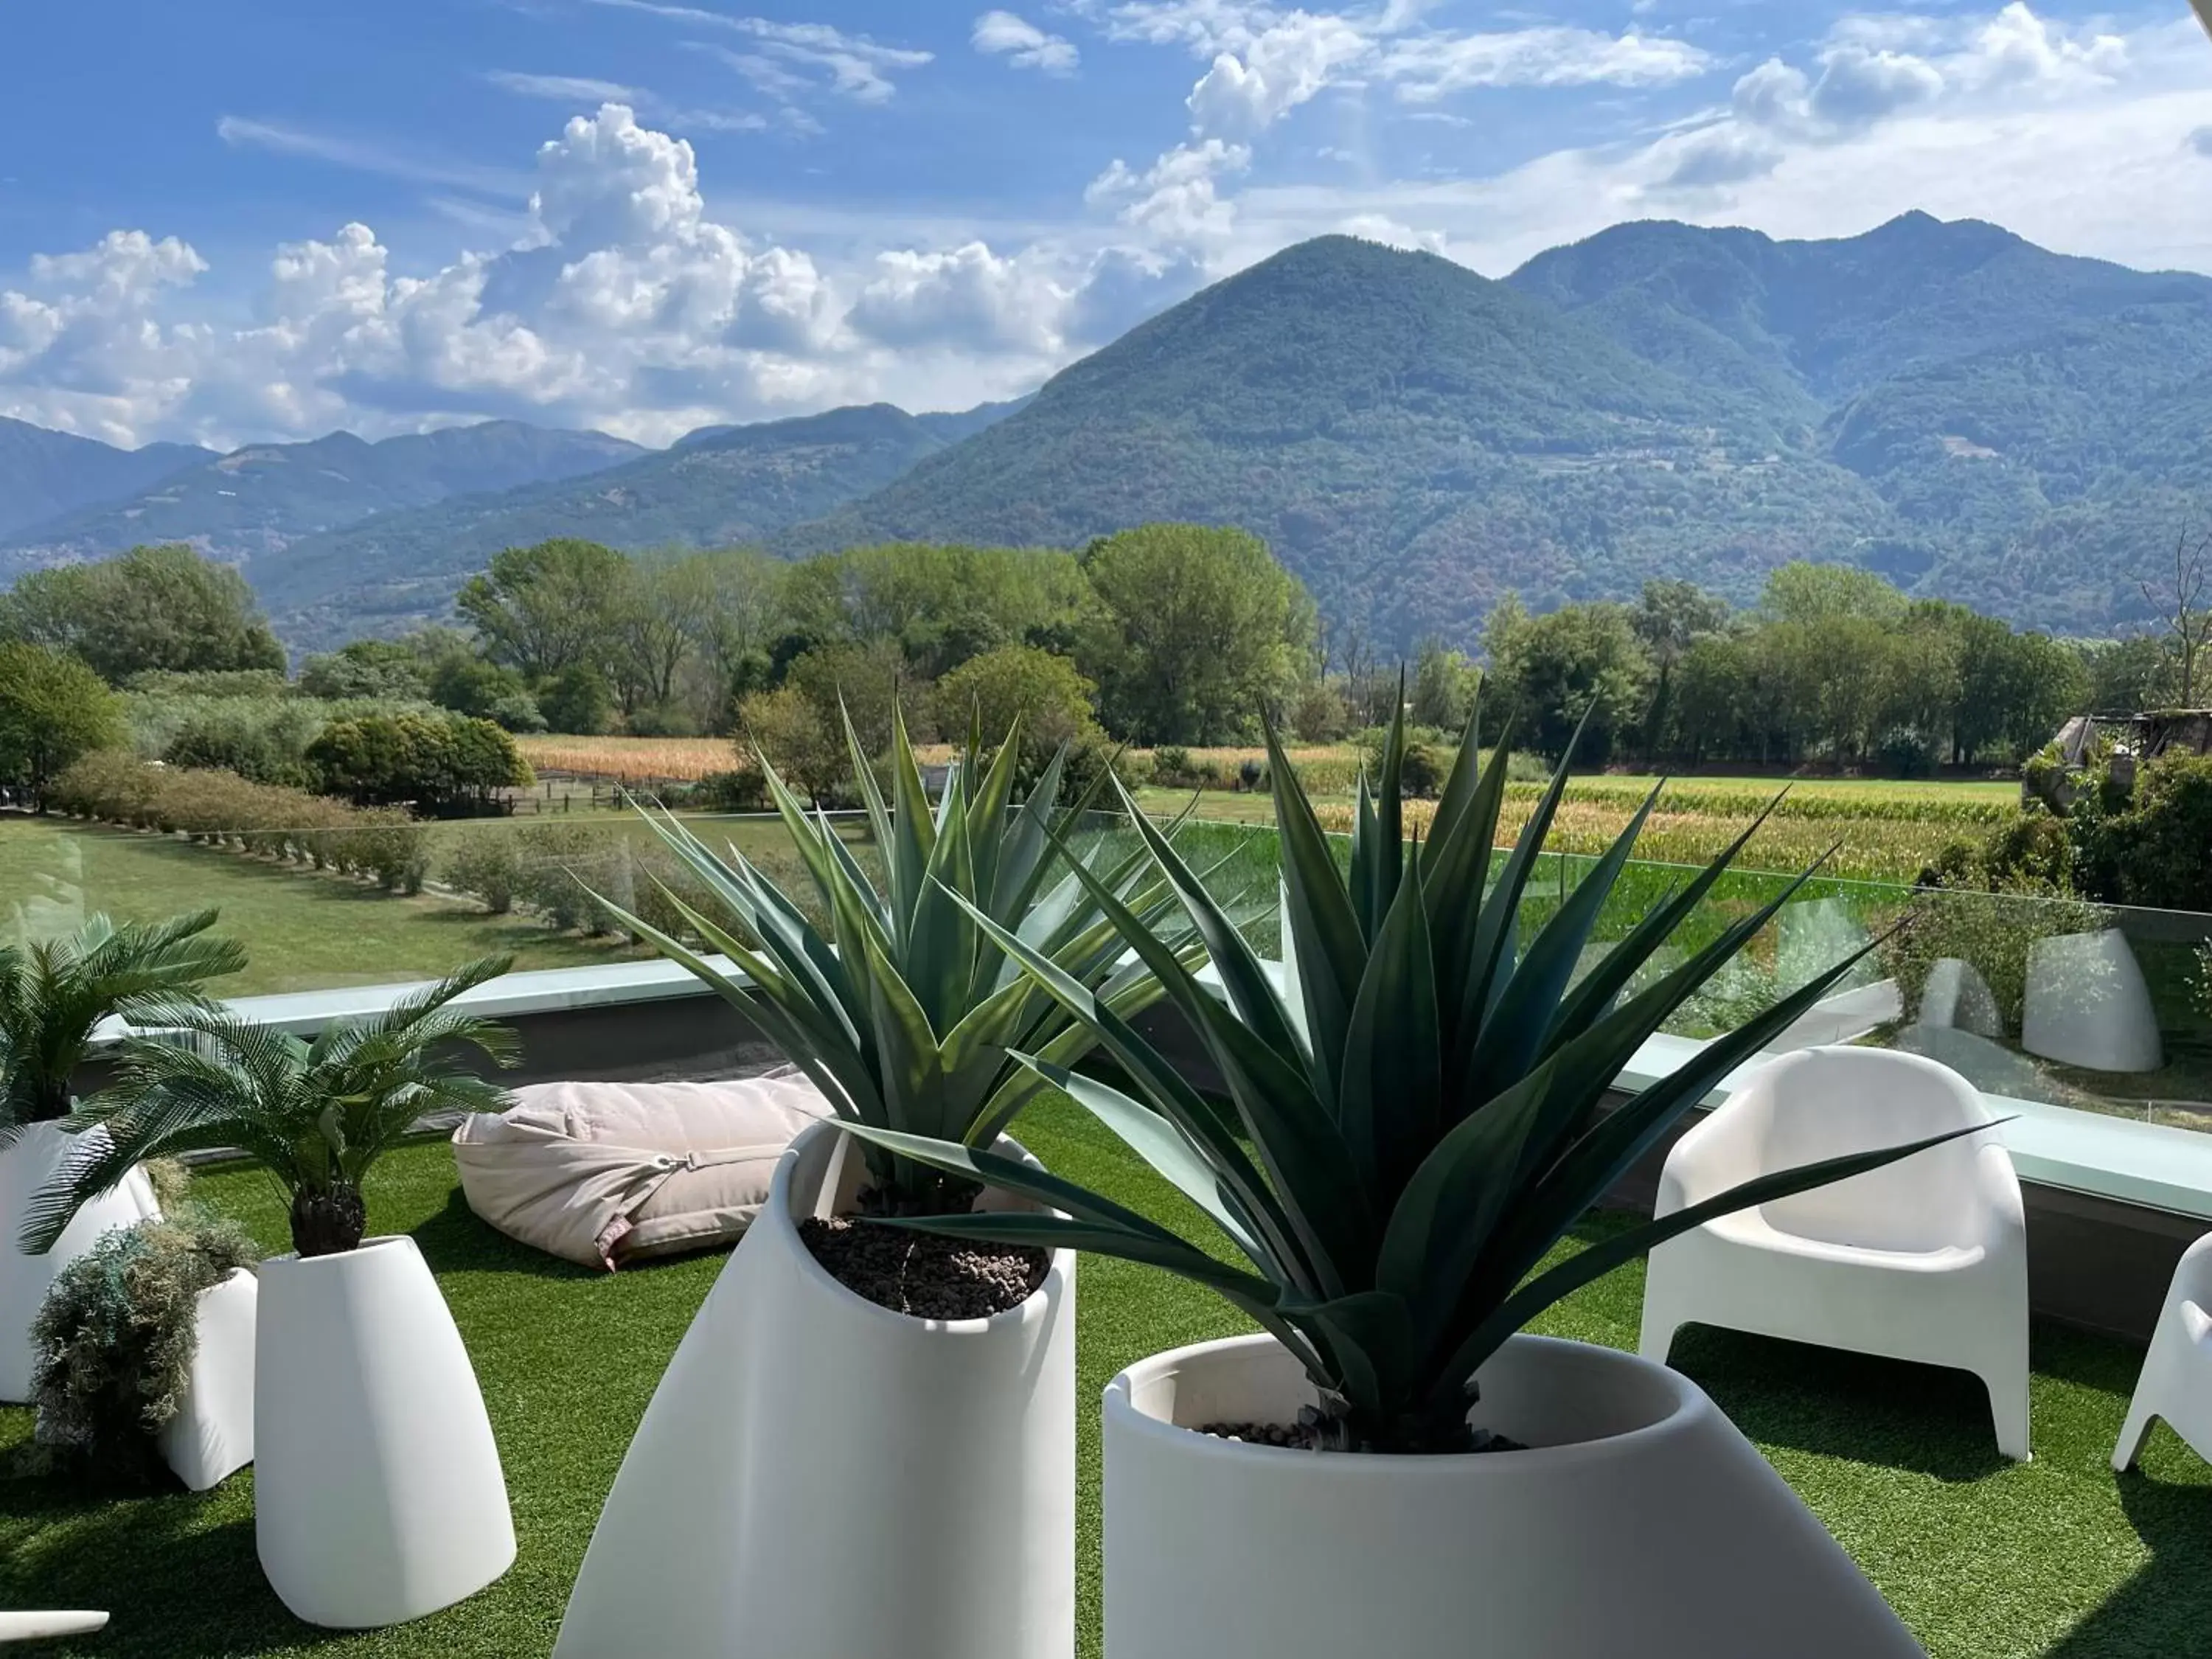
{"points": [[371, 900]]}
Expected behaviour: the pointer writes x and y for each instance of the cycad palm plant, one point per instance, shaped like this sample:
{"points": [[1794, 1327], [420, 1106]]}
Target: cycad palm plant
{"points": [[315, 1115], [53, 992], [903, 1010], [1416, 1098]]}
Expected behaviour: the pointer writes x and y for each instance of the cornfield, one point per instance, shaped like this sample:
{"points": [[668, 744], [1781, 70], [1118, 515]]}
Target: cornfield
{"points": [[629, 760], [1866, 847]]}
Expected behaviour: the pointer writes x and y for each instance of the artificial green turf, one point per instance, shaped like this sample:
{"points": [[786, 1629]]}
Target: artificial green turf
{"points": [[1983, 1559]]}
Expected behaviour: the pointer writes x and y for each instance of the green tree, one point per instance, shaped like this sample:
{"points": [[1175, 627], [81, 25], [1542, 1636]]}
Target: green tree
{"points": [[1670, 617], [1802, 592], [1579, 661], [1443, 688], [383, 668], [53, 709], [786, 729], [538, 609], [577, 700], [1202, 631], [1053, 701], [869, 680], [154, 608], [654, 616]]}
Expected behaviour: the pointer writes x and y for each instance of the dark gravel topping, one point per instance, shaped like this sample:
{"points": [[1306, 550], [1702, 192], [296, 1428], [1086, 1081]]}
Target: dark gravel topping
{"points": [[1305, 1436], [922, 1273]]}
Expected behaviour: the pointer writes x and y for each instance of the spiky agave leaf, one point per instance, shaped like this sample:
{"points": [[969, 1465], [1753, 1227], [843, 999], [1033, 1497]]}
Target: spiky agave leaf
{"points": [[898, 1003], [1419, 1090]]}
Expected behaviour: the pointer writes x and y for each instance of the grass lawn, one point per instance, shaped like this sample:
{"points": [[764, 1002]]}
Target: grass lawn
{"points": [[1984, 1560]]}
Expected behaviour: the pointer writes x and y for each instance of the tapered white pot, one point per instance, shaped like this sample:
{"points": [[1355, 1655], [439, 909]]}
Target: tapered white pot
{"points": [[211, 1436], [25, 1167], [378, 1495], [1640, 1522], [821, 1478]]}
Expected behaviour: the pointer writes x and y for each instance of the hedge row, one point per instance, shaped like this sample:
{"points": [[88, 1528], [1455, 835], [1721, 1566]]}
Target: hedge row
{"points": [[220, 809]]}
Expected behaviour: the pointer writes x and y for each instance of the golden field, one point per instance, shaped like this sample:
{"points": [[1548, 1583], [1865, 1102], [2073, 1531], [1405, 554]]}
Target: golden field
{"points": [[629, 760]]}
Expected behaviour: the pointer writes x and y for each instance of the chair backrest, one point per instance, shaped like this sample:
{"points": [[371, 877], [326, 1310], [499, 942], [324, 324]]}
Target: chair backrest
{"points": [[1828, 1102]]}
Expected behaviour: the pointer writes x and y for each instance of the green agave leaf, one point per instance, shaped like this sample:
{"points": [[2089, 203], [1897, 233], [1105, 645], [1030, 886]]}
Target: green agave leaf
{"points": [[1250, 990], [1490, 953], [1594, 995], [1158, 1142], [1601, 1258], [1390, 1102], [1321, 934], [1587, 1170], [1448, 1210], [1172, 1095], [1514, 1033], [1299, 1144]]}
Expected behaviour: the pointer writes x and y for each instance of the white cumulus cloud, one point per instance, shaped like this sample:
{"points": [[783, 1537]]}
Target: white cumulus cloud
{"points": [[1023, 44]]}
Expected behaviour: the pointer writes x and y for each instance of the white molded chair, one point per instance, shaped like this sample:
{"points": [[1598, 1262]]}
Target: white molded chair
{"points": [[2176, 1384], [1923, 1260]]}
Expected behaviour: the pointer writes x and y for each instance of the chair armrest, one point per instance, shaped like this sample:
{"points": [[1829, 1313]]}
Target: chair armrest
{"points": [[1717, 1153], [2001, 1219]]}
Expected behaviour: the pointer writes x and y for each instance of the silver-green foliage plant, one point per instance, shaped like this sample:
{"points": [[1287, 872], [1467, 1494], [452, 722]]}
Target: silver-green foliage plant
{"points": [[1414, 1104], [54, 992], [116, 1334], [317, 1114], [905, 1007]]}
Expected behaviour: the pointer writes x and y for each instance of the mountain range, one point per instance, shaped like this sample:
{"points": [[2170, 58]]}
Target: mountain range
{"points": [[1975, 416]]}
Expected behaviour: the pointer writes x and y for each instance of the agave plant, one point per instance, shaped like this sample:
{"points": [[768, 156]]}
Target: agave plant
{"points": [[53, 992], [903, 1012], [1415, 1096], [315, 1115]]}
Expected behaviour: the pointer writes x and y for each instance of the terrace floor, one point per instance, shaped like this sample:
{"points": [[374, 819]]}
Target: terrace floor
{"points": [[1983, 1559]]}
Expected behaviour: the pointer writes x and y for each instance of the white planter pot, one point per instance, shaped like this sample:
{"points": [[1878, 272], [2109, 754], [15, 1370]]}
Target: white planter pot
{"points": [[821, 1478], [25, 1167], [2086, 1005], [211, 1436], [377, 1490], [1640, 1522]]}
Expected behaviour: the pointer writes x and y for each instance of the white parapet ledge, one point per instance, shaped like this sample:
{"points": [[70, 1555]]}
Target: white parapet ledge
{"points": [[2151, 1164]]}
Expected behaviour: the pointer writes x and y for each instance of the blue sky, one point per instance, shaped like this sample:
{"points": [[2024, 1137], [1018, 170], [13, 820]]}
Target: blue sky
{"points": [[648, 215]]}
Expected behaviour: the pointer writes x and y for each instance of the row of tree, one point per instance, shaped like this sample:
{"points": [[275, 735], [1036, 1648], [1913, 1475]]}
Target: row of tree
{"points": [[1168, 634], [1834, 663]]}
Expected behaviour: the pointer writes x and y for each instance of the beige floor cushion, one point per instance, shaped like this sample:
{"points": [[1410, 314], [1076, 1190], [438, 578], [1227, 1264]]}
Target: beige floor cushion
{"points": [[605, 1173]]}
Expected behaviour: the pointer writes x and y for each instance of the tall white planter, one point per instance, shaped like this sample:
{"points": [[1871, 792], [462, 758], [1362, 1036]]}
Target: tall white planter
{"points": [[378, 1495], [211, 1436], [821, 1478], [25, 1167], [1640, 1523]]}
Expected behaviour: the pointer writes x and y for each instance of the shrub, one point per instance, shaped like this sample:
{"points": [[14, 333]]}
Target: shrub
{"points": [[222, 809], [1993, 932], [560, 865], [117, 1335], [577, 700], [2166, 858], [1421, 773], [443, 764], [1171, 766], [663, 720], [742, 789], [486, 864]]}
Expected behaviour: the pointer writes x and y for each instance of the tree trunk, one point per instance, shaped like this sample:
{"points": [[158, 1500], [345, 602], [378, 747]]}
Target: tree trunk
{"points": [[328, 1223]]}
